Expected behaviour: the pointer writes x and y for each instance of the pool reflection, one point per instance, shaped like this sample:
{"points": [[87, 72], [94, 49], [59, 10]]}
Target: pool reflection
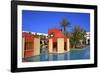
{"points": [[72, 55]]}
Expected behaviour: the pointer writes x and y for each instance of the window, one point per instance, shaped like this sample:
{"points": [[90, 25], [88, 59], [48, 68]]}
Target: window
{"points": [[28, 45]]}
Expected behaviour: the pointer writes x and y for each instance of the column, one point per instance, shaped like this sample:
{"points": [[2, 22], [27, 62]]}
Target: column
{"points": [[36, 46], [23, 46], [81, 42], [50, 46], [68, 44], [60, 45], [86, 41]]}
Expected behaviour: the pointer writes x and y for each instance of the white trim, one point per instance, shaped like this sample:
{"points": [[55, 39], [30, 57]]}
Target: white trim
{"points": [[53, 63]]}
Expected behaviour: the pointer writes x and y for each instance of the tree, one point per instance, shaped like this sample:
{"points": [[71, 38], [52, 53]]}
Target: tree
{"points": [[78, 35], [64, 23]]}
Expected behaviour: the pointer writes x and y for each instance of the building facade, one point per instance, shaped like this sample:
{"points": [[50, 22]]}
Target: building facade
{"points": [[88, 38], [58, 42], [30, 45]]}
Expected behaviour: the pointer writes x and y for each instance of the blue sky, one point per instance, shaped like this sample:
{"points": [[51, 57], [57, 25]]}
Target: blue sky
{"points": [[41, 21]]}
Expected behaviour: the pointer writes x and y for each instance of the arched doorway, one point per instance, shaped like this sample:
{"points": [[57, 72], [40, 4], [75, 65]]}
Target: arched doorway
{"points": [[55, 47]]}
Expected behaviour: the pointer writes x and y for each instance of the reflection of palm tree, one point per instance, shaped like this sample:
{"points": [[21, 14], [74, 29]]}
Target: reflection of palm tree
{"points": [[64, 23]]}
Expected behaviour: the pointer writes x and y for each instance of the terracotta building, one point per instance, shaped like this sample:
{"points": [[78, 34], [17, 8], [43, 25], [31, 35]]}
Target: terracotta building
{"points": [[30, 45], [58, 42]]}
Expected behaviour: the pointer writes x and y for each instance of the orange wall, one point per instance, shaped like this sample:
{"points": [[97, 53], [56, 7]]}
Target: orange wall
{"points": [[28, 53], [28, 38], [57, 34]]}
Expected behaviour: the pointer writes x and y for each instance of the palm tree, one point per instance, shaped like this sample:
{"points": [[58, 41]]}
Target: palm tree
{"points": [[64, 23], [78, 36]]}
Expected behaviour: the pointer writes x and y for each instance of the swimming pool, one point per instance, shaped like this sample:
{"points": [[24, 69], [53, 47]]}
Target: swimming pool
{"points": [[75, 54]]}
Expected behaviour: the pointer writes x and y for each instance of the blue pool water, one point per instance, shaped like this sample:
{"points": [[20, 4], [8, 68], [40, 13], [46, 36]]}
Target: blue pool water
{"points": [[75, 54]]}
